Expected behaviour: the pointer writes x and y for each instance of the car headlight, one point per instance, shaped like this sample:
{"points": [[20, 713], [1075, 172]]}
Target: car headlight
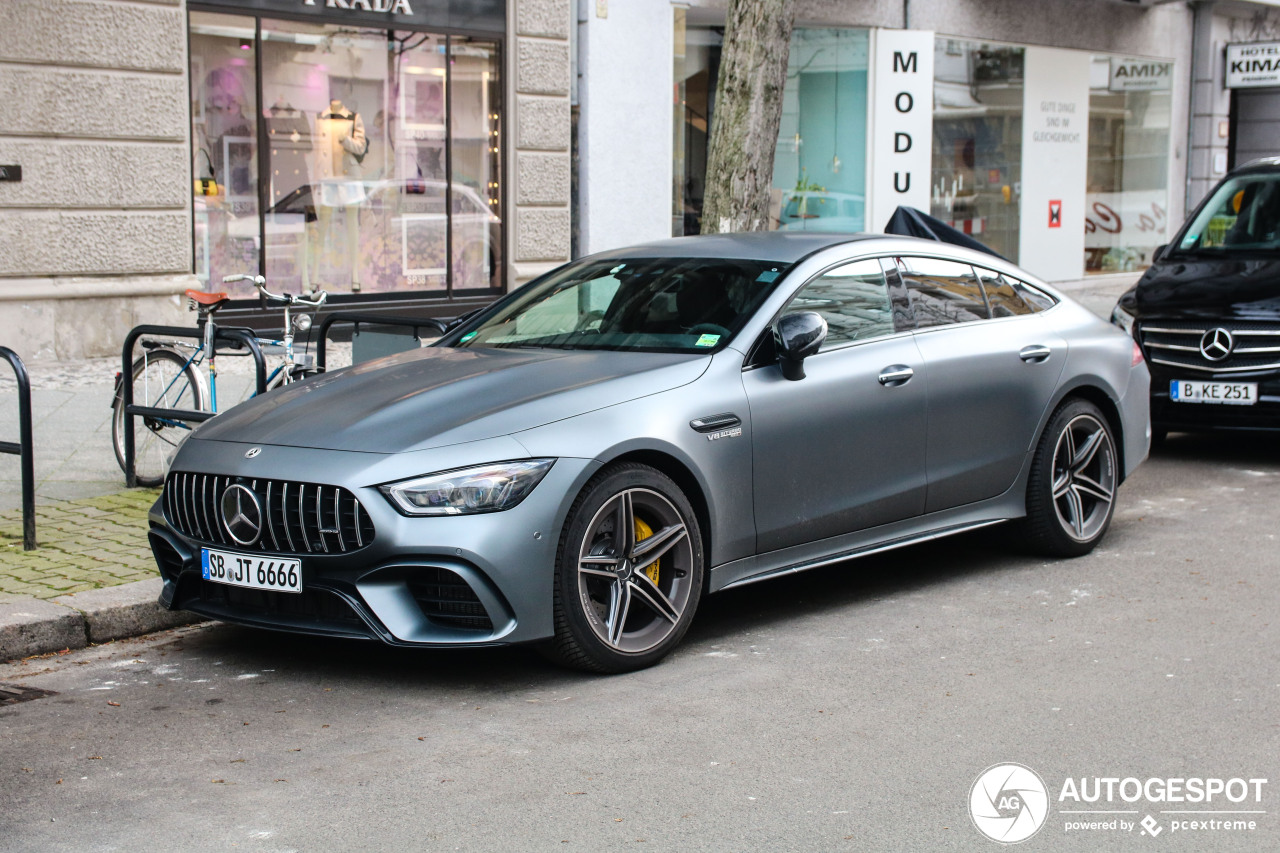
{"points": [[1123, 319], [483, 488]]}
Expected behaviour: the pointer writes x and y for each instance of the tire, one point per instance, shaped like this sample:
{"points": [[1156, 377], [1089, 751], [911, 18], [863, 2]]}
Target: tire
{"points": [[617, 608], [1072, 487], [161, 378]]}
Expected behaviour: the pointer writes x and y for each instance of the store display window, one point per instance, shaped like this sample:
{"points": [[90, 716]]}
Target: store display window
{"points": [[353, 159], [819, 170], [977, 141], [1127, 199]]}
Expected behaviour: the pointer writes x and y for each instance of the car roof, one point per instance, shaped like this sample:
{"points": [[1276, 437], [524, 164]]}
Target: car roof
{"points": [[782, 246], [1262, 164]]}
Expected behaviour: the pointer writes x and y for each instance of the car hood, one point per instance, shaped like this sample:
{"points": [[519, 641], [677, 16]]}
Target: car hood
{"points": [[1208, 288], [437, 396]]}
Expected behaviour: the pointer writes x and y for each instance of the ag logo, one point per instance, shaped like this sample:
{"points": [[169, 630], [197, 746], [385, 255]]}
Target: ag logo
{"points": [[1008, 803]]}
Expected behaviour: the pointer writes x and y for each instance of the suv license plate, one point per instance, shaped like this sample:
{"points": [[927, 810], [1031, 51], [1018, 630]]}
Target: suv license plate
{"points": [[1221, 393], [251, 571]]}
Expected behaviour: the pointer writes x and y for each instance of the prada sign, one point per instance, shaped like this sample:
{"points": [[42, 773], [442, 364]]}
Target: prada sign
{"points": [[395, 7], [488, 17]]}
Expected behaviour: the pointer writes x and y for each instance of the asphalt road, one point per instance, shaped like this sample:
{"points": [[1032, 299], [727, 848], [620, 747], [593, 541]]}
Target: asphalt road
{"points": [[850, 708]]}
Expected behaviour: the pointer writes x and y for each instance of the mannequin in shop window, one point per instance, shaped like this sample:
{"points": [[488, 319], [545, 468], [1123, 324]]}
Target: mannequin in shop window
{"points": [[341, 146], [289, 141]]}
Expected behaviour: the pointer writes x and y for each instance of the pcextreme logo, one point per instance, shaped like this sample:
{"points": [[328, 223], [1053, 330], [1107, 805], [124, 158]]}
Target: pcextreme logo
{"points": [[1009, 803]]}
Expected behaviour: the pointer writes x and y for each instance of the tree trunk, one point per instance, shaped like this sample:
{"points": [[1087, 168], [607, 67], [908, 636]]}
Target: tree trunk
{"points": [[748, 111]]}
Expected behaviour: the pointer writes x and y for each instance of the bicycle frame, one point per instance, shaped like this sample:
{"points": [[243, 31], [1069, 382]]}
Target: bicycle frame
{"points": [[132, 410]]}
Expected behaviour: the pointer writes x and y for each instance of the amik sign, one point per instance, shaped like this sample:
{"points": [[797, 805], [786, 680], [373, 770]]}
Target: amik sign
{"points": [[1129, 75], [1252, 65]]}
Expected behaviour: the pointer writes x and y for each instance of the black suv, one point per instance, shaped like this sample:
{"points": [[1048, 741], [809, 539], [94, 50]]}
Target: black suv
{"points": [[1207, 312]]}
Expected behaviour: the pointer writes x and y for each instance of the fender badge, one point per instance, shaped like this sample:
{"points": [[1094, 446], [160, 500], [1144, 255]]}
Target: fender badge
{"points": [[252, 452], [725, 433]]}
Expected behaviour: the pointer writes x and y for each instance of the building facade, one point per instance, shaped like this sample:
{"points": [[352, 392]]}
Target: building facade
{"points": [[1054, 132], [405, 156], [1235, 95]]}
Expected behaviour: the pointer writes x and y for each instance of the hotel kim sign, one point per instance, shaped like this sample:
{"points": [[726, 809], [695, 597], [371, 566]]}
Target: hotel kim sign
{"points": [[1253, 65]]}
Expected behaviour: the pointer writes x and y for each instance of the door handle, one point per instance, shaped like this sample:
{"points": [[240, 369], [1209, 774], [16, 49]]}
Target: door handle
{"points": [[895, 375], [1035, 354]]}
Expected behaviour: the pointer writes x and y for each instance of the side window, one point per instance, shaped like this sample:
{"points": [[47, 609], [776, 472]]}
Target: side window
{"points": [[1037, 299], [1002, 296], [942, 292], [853, 299]]}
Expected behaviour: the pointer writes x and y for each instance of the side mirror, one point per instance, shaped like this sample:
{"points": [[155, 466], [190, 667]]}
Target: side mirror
{"points": [[1155, 256], [798, 336]]}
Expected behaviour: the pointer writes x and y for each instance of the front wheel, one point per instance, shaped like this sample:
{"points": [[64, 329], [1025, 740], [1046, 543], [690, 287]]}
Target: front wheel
{"points": [[1072, 488], [162, 379], [629, 572]]}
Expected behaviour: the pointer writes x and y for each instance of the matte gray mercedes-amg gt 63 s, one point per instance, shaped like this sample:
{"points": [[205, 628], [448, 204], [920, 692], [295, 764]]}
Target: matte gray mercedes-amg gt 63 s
{"points": [[579, 463]]}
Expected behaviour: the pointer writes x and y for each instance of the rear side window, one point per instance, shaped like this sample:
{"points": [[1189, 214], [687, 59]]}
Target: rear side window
{"points": [[853, 299], [1002, 295], [942, 293]]}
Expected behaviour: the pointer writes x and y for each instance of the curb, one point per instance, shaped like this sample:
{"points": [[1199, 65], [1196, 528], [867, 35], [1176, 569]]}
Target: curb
{"points": [[30, 626]]}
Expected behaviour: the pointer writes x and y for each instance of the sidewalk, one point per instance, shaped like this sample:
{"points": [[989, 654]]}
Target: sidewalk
{"points": [[92, 578]]}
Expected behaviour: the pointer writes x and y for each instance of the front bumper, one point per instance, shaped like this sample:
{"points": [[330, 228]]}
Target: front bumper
{"points": [[471, 580], [1173, 416]]}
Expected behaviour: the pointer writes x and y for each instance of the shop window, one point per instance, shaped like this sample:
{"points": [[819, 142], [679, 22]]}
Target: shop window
{"points": [[1126, 206], [819, 169], [977, 141], [378, 170]]}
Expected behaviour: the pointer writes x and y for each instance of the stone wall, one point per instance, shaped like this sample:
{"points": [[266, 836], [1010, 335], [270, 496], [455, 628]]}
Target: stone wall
{"points": [[539, 48], [98, 232]]}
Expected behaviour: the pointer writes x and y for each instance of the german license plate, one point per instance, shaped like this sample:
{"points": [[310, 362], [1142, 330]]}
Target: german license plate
{"points": [[251, 571], [1221, 393]]}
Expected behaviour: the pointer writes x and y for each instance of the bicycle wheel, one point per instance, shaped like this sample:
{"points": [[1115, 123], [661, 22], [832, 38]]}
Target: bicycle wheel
{"points": [[161, 378]]}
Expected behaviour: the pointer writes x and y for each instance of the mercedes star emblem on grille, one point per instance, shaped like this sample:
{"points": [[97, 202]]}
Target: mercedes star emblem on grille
{"points": [[241, 514], [252, 452], [1216, 344]]}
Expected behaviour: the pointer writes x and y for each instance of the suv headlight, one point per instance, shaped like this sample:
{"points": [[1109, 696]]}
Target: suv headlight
{"points": [[1123, 319], [483, 488]]}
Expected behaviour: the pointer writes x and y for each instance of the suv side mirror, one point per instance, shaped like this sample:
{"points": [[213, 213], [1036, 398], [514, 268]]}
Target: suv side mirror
{"points": [[1158, 253], [798, 336]]}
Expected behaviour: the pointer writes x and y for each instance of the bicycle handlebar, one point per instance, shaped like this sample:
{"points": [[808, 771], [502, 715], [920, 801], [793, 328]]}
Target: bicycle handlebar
{"points": [[315, 300]]}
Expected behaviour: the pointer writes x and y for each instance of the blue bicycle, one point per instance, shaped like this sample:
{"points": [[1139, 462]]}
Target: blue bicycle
{"points": [[171, 374]]}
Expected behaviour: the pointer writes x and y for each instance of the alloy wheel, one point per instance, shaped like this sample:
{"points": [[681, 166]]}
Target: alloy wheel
{"points": [[633, 570], [1084, 477]]}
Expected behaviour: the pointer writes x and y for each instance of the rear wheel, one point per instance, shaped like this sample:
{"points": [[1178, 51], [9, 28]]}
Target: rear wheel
{"points": [[629, 572], [162, 379], [1072, 487]]}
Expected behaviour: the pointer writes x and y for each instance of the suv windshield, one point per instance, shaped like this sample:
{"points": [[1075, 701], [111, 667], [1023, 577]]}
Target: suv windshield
{"points": [[649, 304], [1243, 215]]}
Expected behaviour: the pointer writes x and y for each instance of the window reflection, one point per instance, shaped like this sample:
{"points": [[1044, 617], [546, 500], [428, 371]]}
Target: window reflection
{"points": [[977, 141], [361, 128]]}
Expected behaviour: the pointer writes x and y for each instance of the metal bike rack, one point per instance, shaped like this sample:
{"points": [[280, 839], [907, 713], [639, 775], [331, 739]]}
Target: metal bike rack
{"points": [[356, 319], [23, 448], [234, 335]]}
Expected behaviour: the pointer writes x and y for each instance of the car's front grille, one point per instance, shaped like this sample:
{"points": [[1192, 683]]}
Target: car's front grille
{"points": [[1176, 343], [293, 518]]}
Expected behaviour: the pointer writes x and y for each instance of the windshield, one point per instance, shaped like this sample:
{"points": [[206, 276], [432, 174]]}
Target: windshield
{"points": [[1243, 215], [649, 304]]}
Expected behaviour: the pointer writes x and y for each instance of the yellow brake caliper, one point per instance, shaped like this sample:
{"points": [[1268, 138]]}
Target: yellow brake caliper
{"points": [[643, 532]]}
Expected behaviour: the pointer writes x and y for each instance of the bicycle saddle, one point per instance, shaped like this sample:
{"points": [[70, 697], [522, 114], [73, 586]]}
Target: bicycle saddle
{"points": [[205, 303]]}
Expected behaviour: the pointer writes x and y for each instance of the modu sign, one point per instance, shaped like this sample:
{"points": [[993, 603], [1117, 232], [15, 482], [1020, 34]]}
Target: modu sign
{"points": [[902, 123]]}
